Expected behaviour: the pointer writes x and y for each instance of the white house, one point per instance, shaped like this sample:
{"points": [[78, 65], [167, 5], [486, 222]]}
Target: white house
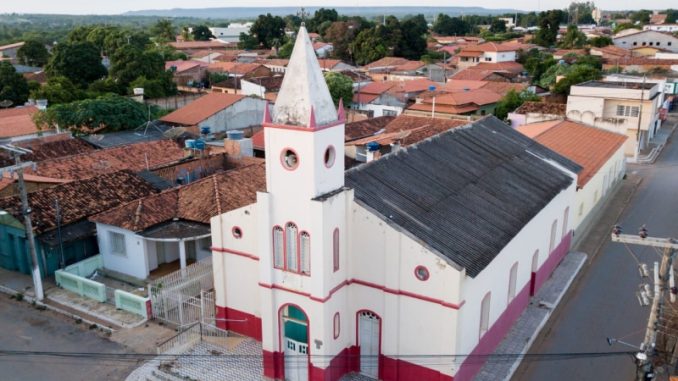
{"points": [[651, 38], [489, 52], [339, 272], [232, 32], [172, 227], [599, 152]]}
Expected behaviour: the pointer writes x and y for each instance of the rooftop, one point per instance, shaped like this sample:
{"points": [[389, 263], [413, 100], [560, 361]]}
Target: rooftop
{"points": [[18, 121], [79, 199], [619, 85], [367, 127], [409, 129], [542, 108], [465, 193], [590, 147], [201, 109], [48, 148]]}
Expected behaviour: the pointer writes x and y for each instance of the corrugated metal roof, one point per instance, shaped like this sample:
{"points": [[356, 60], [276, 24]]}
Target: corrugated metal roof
{"points": [[464, 193]]}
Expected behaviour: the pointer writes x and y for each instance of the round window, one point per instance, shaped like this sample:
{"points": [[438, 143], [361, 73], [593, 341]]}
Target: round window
{"points": [[329, 157], [289, 159], [237, 232], [421, 273]]}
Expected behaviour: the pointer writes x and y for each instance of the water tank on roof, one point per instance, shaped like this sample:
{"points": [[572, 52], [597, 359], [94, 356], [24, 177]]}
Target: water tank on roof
{"points": [[373, 146], [190, 143], [199, 144], [205, 130], [235, 135]]}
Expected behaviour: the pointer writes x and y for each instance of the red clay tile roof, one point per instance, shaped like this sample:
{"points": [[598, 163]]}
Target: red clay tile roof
{"points": [[233, 67], [79, 199], [200, 45], [409, 66], [273, 62], [500, 88], [198, 201], [326, 63], [181, 66], [364, 98], [12, 46], [135, 157], [612, 50], [590, 147], [491, 47], [386, 62], [376, 87], [258, 140], [542, 108], [410, 129], [17, 122], [508, 66], [367, 127], [201, 109], [46, 148], [659, 18]]}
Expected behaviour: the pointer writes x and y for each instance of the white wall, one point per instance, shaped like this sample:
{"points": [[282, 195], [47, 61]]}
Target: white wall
{"points": [[245, 113], [133, 263]]}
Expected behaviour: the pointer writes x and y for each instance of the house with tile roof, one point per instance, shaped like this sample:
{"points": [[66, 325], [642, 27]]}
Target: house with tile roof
{"points": [[323, 49], [220, 112], [599, 152], [488, 52], [336, 271], [173, 226], [533, 112], [59, 216], [649, 38], [376, 100], [17, 124], [187, 73], [472, 102], [239, 70]]}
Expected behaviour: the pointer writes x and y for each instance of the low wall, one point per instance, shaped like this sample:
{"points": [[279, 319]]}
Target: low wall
{"points": [[132, 303], [86, 267], [81, 286]]}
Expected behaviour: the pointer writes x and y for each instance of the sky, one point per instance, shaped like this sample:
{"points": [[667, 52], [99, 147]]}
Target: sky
{"points": [[121, 6]]}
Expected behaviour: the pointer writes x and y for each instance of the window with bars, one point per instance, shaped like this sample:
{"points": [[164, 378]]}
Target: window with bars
{"points": [[118, 243], [305, 253], [632, 111], [278, 251]]}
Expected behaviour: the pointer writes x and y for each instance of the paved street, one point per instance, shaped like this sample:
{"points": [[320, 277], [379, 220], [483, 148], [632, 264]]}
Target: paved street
{"points": [[26, 329], [602, 303]]}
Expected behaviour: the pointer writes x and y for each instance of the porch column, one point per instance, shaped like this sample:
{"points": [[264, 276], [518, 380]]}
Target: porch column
{"points": [[182, 253]]}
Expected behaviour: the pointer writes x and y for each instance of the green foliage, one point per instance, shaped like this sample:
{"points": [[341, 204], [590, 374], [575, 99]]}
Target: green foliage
{"points": [[340, 34], [322, 17], [59, 90], [33, 53], [285, 51], [216, 77], [158, 87], [202, 33], [498, 26], [511, 101], [580, 12], [105, 86], [164, 30], [367, 47], [450, 26], [341, 87], [537, 63], [130, 64], [578, 74], [168, 53], [248, 42], [671, 16], [80, 62], [642, 16], [573, 38], [13, 86], [624, 26], [600, 41], [268, 28], [413, 42], [107, 113], [549, 23]]}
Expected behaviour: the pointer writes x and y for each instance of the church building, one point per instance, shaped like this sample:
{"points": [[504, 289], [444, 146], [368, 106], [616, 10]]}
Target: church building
{"points": [[398, 268]]}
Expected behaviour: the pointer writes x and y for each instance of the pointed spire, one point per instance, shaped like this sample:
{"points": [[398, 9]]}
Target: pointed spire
{"points": [[341, 114], [311, 119], [303, 88], [267, 114]]}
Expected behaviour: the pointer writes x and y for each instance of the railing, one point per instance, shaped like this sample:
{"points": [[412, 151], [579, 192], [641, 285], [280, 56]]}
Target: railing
{"points": [[86, 267], [180, 342], [132, 303], [81, 286]]}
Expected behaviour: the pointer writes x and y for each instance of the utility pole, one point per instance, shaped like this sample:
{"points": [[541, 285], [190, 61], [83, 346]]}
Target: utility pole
{"points": [[640, 116], [26, 212], [662, 276]]}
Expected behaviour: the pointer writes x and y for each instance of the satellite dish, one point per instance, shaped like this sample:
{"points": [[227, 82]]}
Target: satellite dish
{"points": [[6, 103]]}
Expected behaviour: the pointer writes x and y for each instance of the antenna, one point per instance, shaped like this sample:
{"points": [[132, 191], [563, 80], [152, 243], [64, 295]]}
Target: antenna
{"points": [[149, 123]]}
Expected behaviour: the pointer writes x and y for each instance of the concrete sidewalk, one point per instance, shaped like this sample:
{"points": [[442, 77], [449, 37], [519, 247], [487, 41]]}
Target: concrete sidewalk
{"points": [[657, 144], [525, 330]]}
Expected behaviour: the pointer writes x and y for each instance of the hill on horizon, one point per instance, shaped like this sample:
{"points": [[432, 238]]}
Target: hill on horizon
{"points": [[244, 13]]}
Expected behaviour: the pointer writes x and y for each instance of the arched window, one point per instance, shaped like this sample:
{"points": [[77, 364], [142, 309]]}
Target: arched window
{"points": [[278, 249], [485, 314], [552, 244], [335, 249], [337, 325], [513, 275], [305, 252], [566, 215], [292, 260]]}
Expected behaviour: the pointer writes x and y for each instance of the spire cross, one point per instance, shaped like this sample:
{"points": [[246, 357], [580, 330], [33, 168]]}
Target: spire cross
{"points": [[303, 14]]}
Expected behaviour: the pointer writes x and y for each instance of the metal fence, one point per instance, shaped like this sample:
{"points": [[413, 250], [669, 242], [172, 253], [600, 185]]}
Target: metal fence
{"points": [[192, 335]]}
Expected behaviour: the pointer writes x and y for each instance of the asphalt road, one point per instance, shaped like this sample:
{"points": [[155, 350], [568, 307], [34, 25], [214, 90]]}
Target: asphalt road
{"points": [[603, 302], [26, 329]]}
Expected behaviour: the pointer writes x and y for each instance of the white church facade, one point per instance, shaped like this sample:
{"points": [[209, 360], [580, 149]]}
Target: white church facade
{"points": [[394, 268]]}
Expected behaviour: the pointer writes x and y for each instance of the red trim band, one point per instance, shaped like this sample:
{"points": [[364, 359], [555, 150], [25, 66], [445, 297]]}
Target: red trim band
{"points": [[443, 303], [303, 128], [235, 252]]}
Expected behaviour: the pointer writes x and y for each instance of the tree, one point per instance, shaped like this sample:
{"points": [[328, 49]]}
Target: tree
{"points": [[577, 75], [537, 63], [367, 47], [33, 53], [59, 90], [320, 17], [79, 62], [549, 24], [511, 101], [130, 64], [671, 16], [267, 28], [247, 42], [164, 30], [341, 87], [340, 34], [581, 12], [285, 51], [450, 26], [642, 16], [498, 26], [107, 113], [13, 86], [413, 42], [202, 33], [600, 41], [573, 38], [158, 87]]}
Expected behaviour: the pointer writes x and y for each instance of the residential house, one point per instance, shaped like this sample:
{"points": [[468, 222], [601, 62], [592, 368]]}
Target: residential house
{"points": [[359, 79], [16, 124], [220, 112], [239, 70], [489, 52], [232, 32], [376, 100], [277, 65], [173, 227], [534, 112], [501, 88], [478, 102], [630, 109], [327, 64], [658, 18], [599, 152], [640, 64], [610, 52], [337, 272], [59, 217], [647, 38], [262, 87], [667, 28], [8, 52], [190, 47], [496, 72], [323, 49], [187, 73]]}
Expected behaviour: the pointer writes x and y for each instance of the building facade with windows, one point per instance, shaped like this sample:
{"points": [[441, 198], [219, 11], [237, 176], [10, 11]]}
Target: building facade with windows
{"points": [[384, 269], [649, 38]]}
